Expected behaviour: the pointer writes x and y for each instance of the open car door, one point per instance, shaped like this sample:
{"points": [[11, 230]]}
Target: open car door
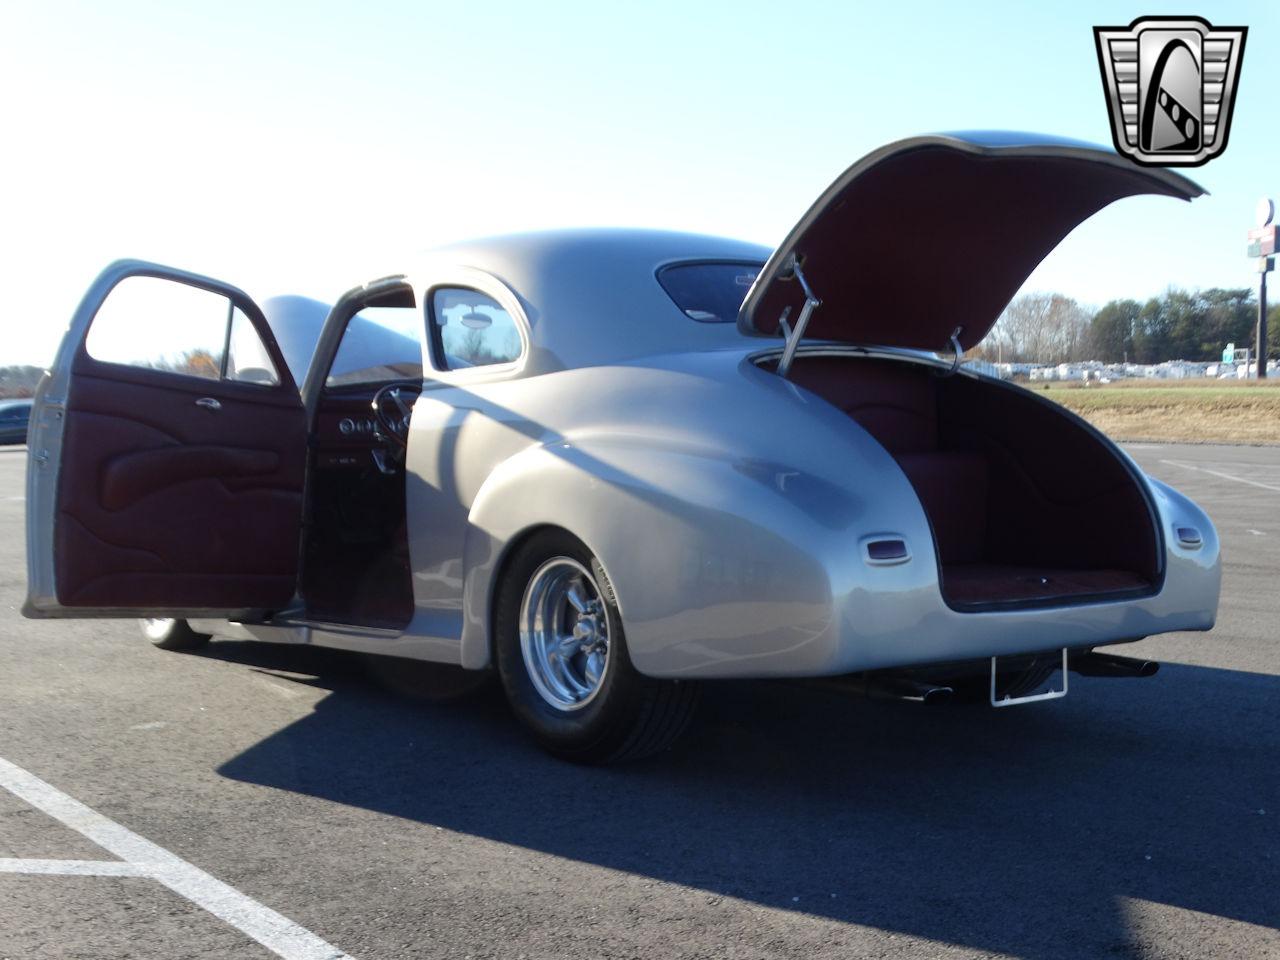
{"points": [[167, 455]]}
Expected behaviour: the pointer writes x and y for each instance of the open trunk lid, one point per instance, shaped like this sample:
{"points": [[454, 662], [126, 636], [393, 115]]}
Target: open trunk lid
{"points": [[929, 238]]}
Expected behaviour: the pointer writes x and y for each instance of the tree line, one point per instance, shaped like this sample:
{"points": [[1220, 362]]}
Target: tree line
{"points": [[1177, 325], [1034, 328], [19, 381]]}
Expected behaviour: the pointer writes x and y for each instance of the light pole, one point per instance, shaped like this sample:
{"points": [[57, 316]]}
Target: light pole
{"points": [[1262, 244], [1261, 349]]}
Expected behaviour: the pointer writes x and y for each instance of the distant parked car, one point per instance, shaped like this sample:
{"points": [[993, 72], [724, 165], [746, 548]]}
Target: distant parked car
{"points": [[14, 415]]}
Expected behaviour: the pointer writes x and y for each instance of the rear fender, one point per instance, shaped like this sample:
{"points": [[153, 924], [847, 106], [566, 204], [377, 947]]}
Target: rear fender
{"points": [[708, 556], [1190, 567]]}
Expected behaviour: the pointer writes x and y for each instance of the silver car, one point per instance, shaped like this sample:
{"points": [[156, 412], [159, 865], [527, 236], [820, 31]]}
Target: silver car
{"points": [[607, 465]]}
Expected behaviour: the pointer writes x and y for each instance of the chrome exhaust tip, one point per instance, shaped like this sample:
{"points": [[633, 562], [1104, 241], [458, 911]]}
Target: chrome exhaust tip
{"points": [[1109, 665], [888, 688]]}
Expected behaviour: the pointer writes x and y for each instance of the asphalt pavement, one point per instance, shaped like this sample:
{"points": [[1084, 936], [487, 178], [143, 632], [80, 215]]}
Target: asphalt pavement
{"points": [[1135, 818]]}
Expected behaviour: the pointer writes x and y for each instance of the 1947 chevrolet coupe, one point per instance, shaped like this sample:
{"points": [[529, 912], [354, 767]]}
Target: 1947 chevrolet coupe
{"points": [[609, 464]]}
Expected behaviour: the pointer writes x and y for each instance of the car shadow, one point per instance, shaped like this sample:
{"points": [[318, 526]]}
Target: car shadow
{"points": [[1022, 831]]}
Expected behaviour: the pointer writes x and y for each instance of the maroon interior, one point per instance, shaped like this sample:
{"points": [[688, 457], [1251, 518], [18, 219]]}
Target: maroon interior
{"points": [[355, 566], [165, 504], [1027, 506], [960, 231]]}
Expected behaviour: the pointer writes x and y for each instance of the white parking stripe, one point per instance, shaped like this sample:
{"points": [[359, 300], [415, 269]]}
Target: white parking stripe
{"points": [[1219, 473], [73, 868], [275, 932]]}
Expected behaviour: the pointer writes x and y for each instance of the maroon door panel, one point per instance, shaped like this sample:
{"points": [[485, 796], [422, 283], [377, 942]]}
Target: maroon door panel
{"points": [[165, 503]]}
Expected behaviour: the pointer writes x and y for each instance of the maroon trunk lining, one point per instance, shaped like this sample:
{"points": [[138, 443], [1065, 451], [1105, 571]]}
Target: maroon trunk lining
{"points": [[1026, 505]]}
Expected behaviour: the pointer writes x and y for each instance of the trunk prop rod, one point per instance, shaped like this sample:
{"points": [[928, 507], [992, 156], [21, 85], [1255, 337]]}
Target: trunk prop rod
{"points": [[957, 353], [796, 333]]}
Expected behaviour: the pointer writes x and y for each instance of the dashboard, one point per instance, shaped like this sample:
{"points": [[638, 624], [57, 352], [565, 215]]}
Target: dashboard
{"points": [[347, 430], [356, 549]]}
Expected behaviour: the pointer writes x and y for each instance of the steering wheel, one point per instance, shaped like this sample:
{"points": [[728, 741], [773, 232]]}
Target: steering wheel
{"points": [[392, 405]]}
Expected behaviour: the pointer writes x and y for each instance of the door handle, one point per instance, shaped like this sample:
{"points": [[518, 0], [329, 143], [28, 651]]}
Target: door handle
{"points": [[209, 403]]}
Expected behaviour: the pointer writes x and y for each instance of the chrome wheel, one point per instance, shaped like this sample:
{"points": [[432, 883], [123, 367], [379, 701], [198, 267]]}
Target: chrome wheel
{"points": [[560, 648], [157, 628], [564, 634]]}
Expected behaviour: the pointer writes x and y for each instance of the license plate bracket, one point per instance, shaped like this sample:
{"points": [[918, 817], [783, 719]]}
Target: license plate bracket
{"points": [[1007, 701]]}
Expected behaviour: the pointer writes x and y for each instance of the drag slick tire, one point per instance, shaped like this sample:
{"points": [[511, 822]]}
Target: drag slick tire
{"points": [[562, 658]]}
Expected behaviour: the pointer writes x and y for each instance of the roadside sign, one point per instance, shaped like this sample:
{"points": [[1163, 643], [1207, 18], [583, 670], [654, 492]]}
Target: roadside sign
{"points": [[1229, 353], [1262, 241], [1264, 212]]}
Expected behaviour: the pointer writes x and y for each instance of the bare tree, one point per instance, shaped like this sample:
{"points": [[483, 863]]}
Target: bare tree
{"points": [[474, 348], [1039, 328]]}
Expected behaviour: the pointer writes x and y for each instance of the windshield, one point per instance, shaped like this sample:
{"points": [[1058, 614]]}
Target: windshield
{"points": [[709, 292]]}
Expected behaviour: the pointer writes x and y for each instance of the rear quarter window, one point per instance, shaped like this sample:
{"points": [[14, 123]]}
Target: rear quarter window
{"points": [[471, 329], [709, 291]]}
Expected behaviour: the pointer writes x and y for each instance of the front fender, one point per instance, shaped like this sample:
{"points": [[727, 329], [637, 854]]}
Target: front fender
{"points": [[715, 560]]}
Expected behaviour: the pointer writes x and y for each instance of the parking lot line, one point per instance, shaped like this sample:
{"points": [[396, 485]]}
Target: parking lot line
{"points": [[1219, 473], [275, 932], [72, 868]]}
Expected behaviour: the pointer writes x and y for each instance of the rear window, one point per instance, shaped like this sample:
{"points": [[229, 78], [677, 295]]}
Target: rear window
{"points": [[709, 292]]}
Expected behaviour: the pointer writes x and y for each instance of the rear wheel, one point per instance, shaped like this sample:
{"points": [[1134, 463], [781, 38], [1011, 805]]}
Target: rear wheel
{"points": [[170, 634], [562, 657]]}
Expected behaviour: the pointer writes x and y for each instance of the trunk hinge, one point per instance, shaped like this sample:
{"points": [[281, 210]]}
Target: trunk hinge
{"points": [[957, 353], [796, 333]]}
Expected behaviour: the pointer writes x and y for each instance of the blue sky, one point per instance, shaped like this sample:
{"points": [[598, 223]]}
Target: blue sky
{"points": [[308, 147]]}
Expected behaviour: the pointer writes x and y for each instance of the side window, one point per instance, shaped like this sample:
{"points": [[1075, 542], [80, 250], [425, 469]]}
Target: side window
{"points": [[160, 324], [380, 344], [247, 357], [471, 330]]}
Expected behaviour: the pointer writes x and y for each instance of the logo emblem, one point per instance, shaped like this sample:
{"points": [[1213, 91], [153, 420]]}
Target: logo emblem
{"points": [[1170, 85]]}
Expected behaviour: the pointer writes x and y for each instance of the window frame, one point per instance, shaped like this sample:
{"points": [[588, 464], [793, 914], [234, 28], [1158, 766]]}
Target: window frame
{"points": [[271, 349], [489, 286]]}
